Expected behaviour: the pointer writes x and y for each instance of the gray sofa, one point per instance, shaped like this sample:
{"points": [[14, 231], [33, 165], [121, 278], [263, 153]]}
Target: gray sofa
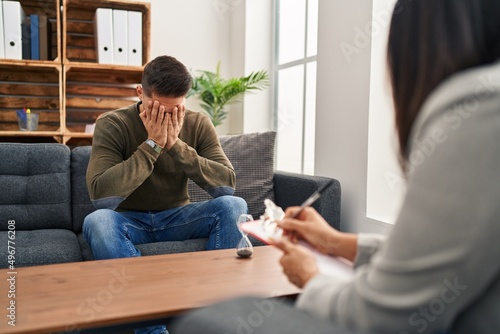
{"points": [[44, 198]]}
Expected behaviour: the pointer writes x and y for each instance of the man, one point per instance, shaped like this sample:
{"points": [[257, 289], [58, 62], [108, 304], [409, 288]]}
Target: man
{"points": [[142, 157]]}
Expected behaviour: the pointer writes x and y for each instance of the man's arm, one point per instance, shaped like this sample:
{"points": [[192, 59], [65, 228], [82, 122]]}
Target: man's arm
{"points": [[110, 178], [207, 165]]}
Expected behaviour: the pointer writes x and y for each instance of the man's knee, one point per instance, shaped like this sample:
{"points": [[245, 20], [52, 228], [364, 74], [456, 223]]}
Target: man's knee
{"points": [[233, 204], [98, 221]]}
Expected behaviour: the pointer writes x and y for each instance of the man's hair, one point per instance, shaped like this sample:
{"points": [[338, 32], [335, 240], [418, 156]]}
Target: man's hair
{"points": [[430, 40], [166, 76]]}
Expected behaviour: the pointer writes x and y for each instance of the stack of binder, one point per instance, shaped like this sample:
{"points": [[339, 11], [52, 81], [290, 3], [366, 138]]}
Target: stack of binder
{"points": [[118, 36], [23, 36]]}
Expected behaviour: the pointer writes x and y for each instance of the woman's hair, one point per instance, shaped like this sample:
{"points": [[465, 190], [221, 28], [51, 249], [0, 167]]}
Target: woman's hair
{"points": [[166, 76], [429, 40]]}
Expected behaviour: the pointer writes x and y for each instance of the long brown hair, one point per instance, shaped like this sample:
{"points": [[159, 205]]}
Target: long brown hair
{"points": [[429, 40]]}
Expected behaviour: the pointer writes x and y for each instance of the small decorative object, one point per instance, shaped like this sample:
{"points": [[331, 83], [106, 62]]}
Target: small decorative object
{"points": [[216, 92], [244, 248], [26, 120], [269, 219]]}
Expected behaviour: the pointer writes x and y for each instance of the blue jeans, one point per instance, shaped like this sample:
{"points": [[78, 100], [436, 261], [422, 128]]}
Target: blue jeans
{"points": [[113, 234]]}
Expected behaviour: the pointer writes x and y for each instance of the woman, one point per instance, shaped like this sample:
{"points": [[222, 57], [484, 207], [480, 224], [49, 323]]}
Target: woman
{"points": [[439, 269]]}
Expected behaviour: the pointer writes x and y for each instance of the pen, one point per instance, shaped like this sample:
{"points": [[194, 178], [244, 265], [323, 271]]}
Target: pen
{"points": [[312, 198]]}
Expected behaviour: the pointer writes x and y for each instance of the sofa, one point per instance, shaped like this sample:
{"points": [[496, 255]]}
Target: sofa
{"points": [[44, 197]]}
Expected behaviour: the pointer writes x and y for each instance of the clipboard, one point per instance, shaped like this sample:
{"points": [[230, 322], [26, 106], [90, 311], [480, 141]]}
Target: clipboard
{"points": [[328, 265]]}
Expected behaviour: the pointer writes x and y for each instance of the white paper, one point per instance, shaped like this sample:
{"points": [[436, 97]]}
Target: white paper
{"points": [[328, 265]]}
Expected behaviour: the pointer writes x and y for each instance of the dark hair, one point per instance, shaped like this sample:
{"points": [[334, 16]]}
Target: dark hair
{"points": [[166, 76], [429, 40]]}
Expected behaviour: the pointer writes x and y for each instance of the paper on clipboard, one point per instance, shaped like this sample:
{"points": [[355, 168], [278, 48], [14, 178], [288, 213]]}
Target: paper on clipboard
{"points": [[328, 265]]}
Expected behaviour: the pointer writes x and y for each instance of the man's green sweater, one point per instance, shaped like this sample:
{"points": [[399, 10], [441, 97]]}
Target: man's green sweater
{"points": [[125, 173]]}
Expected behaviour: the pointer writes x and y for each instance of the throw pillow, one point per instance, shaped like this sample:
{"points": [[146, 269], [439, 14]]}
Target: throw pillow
{"points": [[252, 156]]}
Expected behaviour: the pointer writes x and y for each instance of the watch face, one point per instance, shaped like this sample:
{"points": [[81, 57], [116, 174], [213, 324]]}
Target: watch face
{"points": [[153, 145]]}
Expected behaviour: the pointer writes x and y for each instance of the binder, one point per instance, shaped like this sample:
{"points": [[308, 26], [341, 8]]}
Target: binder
{"points": [[103, 31], [120, 36], [26, 38], [2, 42], [44, 34], [35, 37], [13, 18], [135, 38]]}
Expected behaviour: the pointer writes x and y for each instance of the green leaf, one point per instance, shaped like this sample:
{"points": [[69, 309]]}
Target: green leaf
{"points": [[216, 92]]}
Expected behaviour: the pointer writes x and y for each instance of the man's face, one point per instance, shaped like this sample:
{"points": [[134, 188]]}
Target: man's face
{"points": [[168, 102]]}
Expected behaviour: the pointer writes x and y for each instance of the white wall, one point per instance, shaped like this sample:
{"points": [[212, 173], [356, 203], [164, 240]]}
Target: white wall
{"points": [[344, 56], [197, 32], [385, 184], [238, 33], [202, 32]]}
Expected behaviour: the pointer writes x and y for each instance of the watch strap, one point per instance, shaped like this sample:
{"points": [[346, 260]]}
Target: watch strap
{"points": [[154, 145]]}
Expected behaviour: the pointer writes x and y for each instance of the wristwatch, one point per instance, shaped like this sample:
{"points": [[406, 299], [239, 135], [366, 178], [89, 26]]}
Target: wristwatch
{"points": [[154, 145]]}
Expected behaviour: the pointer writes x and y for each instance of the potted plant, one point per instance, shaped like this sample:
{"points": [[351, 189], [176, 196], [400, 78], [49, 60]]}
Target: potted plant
{"points": [[216, 92]]}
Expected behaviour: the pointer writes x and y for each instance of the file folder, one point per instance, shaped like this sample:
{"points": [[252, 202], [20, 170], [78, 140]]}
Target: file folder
{"points": [[135, 38], [44, 34], [13, 19], [120, 36], [2, 42], [103, 31], [35, 40]]}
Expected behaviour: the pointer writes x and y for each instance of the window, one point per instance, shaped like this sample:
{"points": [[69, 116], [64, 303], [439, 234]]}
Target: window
{"points": [[295, 73]]}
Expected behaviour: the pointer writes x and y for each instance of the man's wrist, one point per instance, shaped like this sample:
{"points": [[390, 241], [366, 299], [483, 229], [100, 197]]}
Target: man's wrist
{"points": [[154, 145]]}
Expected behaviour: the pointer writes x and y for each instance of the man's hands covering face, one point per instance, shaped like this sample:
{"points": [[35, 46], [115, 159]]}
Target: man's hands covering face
{"points": [[163, 126]]}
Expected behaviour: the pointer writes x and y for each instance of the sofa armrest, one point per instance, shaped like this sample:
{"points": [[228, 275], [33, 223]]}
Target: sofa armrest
{"points": [[292, 189]]}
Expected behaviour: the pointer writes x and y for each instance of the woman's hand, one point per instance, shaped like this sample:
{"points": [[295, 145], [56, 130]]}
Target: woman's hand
{"points": [[298, 263], [311, 227]]}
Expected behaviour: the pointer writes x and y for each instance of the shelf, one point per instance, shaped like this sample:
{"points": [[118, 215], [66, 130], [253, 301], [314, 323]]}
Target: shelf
{"points": [[78, 28], [36, 87], [31, 136], [71, 90], [90, 92], [26, 62], [30, 133], [50, 8]]}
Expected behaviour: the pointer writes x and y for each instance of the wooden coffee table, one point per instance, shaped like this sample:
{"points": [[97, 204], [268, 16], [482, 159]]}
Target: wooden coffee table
{"points": [[84, 295]]}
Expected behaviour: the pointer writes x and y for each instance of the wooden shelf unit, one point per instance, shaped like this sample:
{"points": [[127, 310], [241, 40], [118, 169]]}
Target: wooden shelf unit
{"points": [[93, 90], [72, 89], [78, 28]]}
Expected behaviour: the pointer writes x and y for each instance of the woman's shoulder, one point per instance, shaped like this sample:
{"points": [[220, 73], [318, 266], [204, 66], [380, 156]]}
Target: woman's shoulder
{"points": [[467, 100]]}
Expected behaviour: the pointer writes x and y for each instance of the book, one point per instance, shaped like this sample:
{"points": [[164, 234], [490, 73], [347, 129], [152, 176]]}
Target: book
{"points": [[26, 39], [44, 37], [328, 265], [34, 38]]}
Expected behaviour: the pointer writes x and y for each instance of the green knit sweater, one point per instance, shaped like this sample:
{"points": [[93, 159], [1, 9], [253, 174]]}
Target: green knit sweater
{"points": [[125, 173]]}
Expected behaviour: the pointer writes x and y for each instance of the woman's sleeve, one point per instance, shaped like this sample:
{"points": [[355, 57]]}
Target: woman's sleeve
{"points": [[442, 254]]}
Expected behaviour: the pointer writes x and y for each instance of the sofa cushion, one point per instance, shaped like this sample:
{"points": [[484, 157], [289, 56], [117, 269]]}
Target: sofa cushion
{"points": [[45, 246], [252, 156], [35, 186], [81, 204]]}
